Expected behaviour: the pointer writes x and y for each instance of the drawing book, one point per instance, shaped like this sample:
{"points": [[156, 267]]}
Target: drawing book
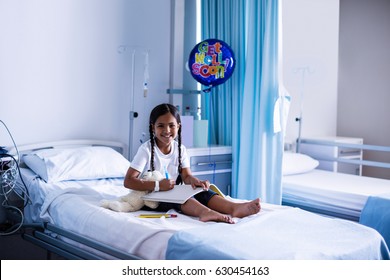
{"points": [[179, 194]]}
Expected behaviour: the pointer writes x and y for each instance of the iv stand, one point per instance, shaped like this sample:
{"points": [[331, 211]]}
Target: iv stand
{"points": [[132, 114], [299, 119]]}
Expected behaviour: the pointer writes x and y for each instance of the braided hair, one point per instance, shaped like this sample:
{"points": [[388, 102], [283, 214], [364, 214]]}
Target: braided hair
{"points": [[158, 111]]}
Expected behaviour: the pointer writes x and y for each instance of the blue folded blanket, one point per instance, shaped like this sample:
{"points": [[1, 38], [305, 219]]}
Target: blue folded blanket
{"points": [[376, 214]]}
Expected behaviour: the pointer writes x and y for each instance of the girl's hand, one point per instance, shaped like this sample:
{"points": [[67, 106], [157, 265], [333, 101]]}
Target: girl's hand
{"points": [[196, 183], [166, 184]]}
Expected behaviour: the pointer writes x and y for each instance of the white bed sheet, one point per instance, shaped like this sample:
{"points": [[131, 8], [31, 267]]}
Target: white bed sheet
{"points": [[75, 206], [330, 191]]}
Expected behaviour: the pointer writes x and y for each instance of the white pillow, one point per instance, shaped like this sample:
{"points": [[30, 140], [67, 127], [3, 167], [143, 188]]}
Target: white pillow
{"points": [[83, 163], [294, 163]]}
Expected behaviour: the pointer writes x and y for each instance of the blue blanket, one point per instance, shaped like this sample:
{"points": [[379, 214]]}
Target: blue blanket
{"points": [[376, 214], [284, 234]]}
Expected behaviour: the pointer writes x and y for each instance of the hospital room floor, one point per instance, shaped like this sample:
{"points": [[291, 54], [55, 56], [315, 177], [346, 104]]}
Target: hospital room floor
{"points": [[14, 247]]}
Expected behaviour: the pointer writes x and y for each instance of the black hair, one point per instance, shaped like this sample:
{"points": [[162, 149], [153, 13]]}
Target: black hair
{"points": [[158, 111]]}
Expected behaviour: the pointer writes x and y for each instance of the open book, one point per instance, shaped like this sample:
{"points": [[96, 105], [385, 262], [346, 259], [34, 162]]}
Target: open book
{"points": [[179, 194]]}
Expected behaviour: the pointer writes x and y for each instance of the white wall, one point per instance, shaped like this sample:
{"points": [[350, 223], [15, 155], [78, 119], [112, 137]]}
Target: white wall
{"points": [[62, 77], [342, 47], [310, 62], [364, 84]]}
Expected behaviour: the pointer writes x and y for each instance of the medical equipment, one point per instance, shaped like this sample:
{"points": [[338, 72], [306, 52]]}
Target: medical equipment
{"points": [[11, 210]]}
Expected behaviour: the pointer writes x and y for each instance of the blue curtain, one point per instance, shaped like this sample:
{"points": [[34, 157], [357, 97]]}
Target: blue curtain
{"points": [[241, 111]]}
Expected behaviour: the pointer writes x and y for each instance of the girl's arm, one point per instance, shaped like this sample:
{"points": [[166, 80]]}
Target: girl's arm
{"points": [[189, 179], [134, 183]]}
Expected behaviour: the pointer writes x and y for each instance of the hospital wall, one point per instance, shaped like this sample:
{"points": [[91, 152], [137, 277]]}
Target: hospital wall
{"points": [[62, 74], [363, 82], [65, 73], [310, 41], [335, 66]]}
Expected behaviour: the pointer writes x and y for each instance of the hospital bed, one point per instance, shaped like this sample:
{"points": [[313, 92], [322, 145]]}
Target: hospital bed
{"points": [[66, 181], [352, 197]]}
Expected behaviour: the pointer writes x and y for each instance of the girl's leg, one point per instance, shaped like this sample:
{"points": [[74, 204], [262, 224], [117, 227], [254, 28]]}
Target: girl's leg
{"points": [[234, 209], [194, 208]]}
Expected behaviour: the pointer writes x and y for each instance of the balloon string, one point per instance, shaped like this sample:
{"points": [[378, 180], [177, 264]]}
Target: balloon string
{"points": [[211, 129], [206, 90]]}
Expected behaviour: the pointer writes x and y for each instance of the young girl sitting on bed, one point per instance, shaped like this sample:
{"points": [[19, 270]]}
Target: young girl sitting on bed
{"points": [[164, 154]]}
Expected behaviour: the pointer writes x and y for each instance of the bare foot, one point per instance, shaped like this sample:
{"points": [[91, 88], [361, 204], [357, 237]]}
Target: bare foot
{"points": [[242, 210], [211, 215]]}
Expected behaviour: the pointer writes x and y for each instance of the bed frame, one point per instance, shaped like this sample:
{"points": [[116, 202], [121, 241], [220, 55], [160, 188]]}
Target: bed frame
{"points": [[70, 245], [362, 162], [362, 147], [41, 235], [20, 150]]}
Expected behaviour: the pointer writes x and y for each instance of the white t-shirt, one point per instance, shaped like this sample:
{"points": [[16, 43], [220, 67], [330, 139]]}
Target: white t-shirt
{"points": [[141, 161]]}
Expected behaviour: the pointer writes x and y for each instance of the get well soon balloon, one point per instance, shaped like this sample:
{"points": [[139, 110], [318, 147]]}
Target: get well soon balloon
{"points": [[211, 62]]}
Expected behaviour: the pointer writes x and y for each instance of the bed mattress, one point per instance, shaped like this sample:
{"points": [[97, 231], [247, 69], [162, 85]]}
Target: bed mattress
{"points": [[337, 194], [75, 206]]}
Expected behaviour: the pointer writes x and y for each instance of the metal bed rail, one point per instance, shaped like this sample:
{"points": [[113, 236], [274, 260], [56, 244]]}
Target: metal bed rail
{"points": [[352, 146], [42, 236]]}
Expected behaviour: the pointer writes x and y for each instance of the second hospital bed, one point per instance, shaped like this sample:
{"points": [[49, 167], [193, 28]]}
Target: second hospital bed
{"points": [[352, 197]]}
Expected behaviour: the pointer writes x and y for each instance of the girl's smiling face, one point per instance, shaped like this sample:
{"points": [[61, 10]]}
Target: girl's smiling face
{"points": [[165, 130]]}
